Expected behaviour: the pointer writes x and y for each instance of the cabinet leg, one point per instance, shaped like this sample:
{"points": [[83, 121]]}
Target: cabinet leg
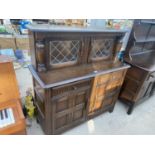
{"points": [[37, 121], [130, 109], [111, 110]]}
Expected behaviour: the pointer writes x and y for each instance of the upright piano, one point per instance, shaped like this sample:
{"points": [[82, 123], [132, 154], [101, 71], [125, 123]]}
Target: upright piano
{"points": [[12, 120]]}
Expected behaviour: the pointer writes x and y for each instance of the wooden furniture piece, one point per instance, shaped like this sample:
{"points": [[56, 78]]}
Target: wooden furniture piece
{"points": [[9, 99], [139, 82], [76, 74]]}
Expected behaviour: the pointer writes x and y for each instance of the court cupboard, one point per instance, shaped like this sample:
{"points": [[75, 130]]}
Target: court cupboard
{"points": [[76, 73]]}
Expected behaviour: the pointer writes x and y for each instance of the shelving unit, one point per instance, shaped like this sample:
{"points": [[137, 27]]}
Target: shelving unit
{"points": [[139, 82]]}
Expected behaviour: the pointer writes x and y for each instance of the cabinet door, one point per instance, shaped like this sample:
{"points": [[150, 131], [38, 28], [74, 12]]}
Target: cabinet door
{"points": [[69, 109], [101, 49], [62, 52], [105, 91]]}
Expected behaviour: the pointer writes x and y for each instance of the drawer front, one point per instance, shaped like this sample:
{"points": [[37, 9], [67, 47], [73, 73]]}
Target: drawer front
{"points": [[68, 88]]}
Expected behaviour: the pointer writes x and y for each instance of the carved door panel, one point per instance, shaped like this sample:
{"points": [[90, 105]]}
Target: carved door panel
{"points": [[105, 91], [70, 108], [98, 92]]}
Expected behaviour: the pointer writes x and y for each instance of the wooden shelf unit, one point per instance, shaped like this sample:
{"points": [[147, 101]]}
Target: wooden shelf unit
{"points": [[139, 82]]}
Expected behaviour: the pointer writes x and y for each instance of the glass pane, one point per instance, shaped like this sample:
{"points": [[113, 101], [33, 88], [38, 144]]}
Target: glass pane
{"points": [[64, 51], [101, 48]]}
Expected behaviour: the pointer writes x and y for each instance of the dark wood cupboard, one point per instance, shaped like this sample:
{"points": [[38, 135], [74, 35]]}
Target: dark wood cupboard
{"points": [[139, 82], [76, 74]]}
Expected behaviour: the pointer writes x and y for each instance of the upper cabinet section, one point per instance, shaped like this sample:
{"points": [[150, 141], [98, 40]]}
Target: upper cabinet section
{"points": [[56, 47]]}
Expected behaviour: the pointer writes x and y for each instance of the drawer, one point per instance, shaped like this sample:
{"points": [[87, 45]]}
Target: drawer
{"points": [[68, 88]]}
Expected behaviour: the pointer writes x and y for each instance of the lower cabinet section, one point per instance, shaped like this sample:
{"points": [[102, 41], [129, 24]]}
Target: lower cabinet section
{"points": [[138, 86], [69, 109], [63, 107]]}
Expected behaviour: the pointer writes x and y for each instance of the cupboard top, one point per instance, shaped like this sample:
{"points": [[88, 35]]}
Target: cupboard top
{"points": [[59, 77], [72, 29]]}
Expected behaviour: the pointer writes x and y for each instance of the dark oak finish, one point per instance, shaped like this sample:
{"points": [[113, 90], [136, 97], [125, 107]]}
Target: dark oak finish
{"points": [[139, 82], [76, 74]]}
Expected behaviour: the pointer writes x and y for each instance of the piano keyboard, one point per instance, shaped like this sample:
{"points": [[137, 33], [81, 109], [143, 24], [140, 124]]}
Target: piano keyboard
{"points": [[6, 117]]}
